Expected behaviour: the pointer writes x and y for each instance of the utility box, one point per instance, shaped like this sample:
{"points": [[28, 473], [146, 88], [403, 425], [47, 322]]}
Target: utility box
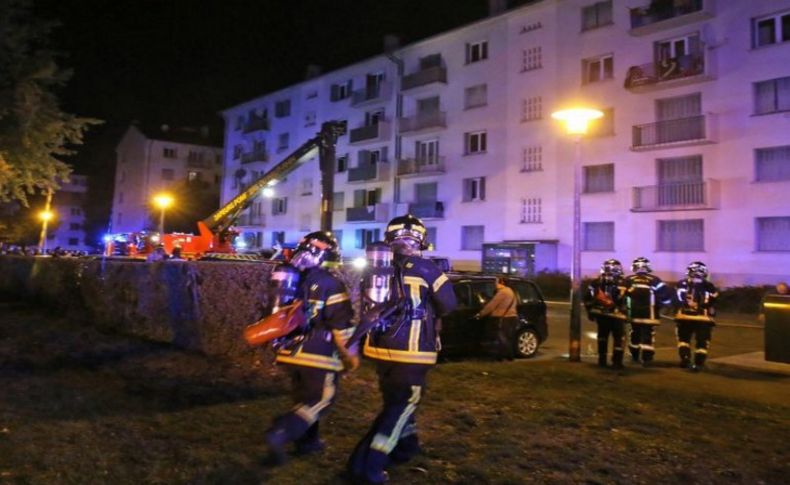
{"points": [[777, 328]]}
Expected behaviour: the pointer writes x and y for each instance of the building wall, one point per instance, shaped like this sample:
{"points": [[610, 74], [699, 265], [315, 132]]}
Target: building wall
{"points": [[68, 204], [514, 184]]}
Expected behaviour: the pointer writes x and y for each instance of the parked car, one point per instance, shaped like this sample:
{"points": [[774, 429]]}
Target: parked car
{"points": [[462, 334]]}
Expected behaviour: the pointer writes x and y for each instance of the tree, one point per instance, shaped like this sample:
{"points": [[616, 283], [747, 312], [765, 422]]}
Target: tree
{"points": [[34, 132]]}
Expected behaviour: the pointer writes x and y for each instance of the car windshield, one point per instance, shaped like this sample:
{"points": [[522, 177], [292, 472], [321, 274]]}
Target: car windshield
{"points": [[526, 291]]}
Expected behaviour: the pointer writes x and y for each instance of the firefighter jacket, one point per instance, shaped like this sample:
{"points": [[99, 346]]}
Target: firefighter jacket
{"points": [[604, 299], [411, 335], [327, 308], [696, 301], [644, 295]]}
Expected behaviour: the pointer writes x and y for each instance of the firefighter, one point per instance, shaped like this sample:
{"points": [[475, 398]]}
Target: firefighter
{"points": [[404, 348], [644, 294], [603, 301], [316, 353], [696, 297]]}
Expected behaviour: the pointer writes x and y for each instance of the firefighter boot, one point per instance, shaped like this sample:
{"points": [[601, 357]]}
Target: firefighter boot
{"points": [[617, 359], [699, 359], [685, 356], [602, 344]]}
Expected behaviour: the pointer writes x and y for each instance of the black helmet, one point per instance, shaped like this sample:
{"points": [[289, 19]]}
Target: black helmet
{"points": [[611, 268], [406, 235], [641, 265], [697, 269], [314, 249]]}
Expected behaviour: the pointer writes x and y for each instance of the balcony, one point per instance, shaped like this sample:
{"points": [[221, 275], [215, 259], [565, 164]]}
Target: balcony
{"points": [[668, 14], [371, 94], [695, 130], [677, 196], [413, 167], [371, 213], [421, 122], [424, 77], [255, 123], [255, 156], [668, 73], [251, 220], [369, 172], [370, 133], [432, 209]]}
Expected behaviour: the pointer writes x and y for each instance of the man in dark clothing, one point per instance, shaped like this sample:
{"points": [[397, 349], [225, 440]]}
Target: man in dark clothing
{"points": [[644, 295], [503, 308], [696, 297], [603, 301]]}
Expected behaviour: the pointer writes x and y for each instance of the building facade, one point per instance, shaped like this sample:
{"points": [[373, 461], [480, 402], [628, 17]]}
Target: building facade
{"points": [[691, 160], [156, 159], [68, 205]]}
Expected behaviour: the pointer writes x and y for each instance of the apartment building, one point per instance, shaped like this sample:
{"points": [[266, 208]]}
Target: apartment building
{"points": [[68, 205], [153, 159], [690, 161]]}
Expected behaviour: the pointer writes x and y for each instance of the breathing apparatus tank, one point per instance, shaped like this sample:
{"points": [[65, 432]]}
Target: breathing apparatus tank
{"points": [[379, 276], [284, 285]]}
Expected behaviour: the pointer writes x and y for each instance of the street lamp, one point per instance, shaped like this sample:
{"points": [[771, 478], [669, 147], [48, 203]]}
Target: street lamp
{"points": [[576, 121], [162, 201], [45, 216]]}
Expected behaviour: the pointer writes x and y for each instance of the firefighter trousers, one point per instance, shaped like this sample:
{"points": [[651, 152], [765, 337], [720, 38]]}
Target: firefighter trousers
{"points": [[685, 331], [313, 392], [615, 327], [393, 435], [641, 343]]}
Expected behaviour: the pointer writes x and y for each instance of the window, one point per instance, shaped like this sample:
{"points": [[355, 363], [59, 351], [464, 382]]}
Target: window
{"points": [[430, 237], [279, 205], [531, 109], [365, 198], [772, 96], [74, 226], [531, 212], [772, 164], [167, 174], [122, 177], [312, 94], [531, 59], [342, 163], [474, 189], [338, 201], [681, 236], [595, 69], [283, 140], [476, 96], [74, 241], [282, 108], [532, 159], [305, 222], [477, 51], [771, 29], [237, 151], [375, 116], [193, 176], [338, 233], [599, 236], [169, 152], [194, 157], [217, 179], [239, 123], [427, 152], [603, 126], [773, 233], [599, 178], [309, 118], [341, 91], [365, 237], [597, 15], [76, 212], [475, 142], [307, 186], [278, 237], [472, 237], [120, 218], [120, 198], [218, 159]]}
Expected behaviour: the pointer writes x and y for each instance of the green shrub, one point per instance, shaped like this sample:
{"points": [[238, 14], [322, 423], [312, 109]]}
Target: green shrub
{"points": [[741, 299], [554, 284]]}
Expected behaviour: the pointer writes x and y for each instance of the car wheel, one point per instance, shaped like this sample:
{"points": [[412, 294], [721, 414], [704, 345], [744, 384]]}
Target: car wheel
{"points": [[527, 343]]}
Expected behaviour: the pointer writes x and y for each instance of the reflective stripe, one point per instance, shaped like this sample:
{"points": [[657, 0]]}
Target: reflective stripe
{"points": [[701, 351], [696, 318], [647, 347], [310, 413], [439, 282], [414, 335], [337, 298], [405, 356], [384, 443], [683, 344], [646, 321], [310, 360]]}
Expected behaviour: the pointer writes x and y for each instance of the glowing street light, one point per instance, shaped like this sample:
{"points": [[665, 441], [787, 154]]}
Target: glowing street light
{"points": [[46, 215], [267, 192], [162, 201], [576, 121]]}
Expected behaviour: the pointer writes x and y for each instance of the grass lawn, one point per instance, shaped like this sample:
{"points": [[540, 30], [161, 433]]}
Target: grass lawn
{"points": [[79, 406]]}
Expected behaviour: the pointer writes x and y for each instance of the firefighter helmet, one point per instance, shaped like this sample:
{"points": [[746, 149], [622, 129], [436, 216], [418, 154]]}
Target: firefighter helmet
{"points": [[406, 235], [641, 265], [611, 269], [315, 248], [697, 269]]}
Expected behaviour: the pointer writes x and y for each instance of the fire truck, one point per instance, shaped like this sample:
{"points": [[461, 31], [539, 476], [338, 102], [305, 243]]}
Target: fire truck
{"points": [[216, 233]]}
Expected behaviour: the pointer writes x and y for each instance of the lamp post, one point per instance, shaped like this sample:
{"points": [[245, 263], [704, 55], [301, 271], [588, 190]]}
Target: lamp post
{"points": [[46, 215], [162, 201], [576, 121]]}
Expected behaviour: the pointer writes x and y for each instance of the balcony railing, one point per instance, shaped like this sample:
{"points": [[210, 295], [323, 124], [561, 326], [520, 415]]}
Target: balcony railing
{"points": [[433, 209], [423, 121], [673, 71], [255, 156], [371, 213], [436, 74], [251, 220], [370, 94], [667, 14], [409, 167], [367, 133], [682, 131], [256, 123], [676, 196], [369, 172]]}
